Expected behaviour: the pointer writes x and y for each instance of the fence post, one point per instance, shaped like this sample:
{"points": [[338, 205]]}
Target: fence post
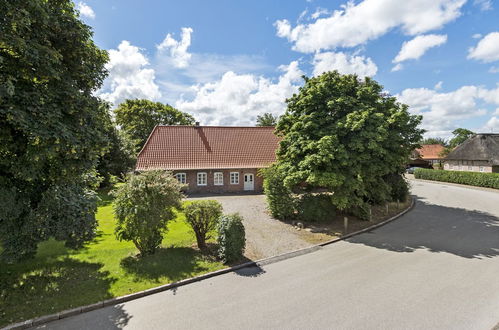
{"points": [[345, 225], [370, 214], [386, 208]]}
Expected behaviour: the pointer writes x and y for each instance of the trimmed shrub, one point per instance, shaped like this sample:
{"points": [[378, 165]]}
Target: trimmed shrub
{"points": [[143, 207], [279, 197], [479, 179], [315, 207], [202, 216], [231, 237]]}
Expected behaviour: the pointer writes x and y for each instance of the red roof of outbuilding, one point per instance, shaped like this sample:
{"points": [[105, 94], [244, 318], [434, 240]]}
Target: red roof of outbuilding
{"points": [[208, 147], [430, 151]]}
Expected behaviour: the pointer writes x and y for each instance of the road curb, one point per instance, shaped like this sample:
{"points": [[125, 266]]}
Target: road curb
{"points": [[262, 262]]}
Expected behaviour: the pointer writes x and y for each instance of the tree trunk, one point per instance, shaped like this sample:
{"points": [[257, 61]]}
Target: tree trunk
{"points": [[201, 240]]}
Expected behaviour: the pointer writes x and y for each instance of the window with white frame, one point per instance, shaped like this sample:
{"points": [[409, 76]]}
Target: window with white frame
{"points": [[482, 169], [181, 177], [218, 179], [202, 179], [234, 177]]}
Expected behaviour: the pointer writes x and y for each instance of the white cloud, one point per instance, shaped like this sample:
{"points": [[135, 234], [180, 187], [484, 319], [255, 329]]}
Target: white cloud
{"points": [[487, 49], [397, 67], [496, 113], [489, 95], [494, 69], [476, 36], [178, 49], [85, 10], [237, 99], [441, 110], [344, 63], [438, 85], [129, 76], [492, 126], [483, 4], [415, 48], [319, 12], [356, 24]]}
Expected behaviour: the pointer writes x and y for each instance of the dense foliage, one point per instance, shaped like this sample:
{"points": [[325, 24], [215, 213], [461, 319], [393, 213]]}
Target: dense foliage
{"points": [[137, 118], [231, 238], [479, 179], [119, 157], [315, 208], [143, 207], [344, 135], [52, 125], [279, 196], [202, 216], [267, 119], [434, 140]]}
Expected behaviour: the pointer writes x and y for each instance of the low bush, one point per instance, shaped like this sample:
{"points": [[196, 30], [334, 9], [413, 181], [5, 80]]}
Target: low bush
{"points": [[279, 197], [479, 179], [202, 216], [315, 207], [231, 237]]}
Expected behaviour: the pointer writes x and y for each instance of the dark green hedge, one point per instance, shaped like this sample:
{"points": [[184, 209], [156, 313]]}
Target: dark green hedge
{"points": [[479, 179]]}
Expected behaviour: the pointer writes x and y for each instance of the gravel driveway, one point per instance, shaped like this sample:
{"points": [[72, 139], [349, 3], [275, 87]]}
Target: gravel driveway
{"points": [[265, 236]]}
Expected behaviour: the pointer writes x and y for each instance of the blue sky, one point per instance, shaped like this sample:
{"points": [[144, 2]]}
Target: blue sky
{"points": [[225, 62]]}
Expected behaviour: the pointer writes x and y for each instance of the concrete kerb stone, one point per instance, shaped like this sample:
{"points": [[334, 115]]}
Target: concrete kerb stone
{"points": [[262, 262]]}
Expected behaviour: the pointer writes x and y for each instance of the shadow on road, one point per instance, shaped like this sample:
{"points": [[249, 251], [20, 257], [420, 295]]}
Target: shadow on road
{"points": [[465, 233]]}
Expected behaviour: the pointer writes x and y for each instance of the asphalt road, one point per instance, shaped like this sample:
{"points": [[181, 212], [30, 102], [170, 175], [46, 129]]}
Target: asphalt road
{"points": [[437, 267]]}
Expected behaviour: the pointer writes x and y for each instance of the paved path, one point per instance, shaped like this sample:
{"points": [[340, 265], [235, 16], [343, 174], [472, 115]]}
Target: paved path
{"points": [[437, 267]]}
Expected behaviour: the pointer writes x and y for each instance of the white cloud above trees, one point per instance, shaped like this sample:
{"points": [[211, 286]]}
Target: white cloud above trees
{"points": [[344, 63], [85, 10], [178, 48], [355, 24]]}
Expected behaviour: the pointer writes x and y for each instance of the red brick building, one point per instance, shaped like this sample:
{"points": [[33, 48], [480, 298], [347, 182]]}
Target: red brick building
{"points": [[211, 159]]}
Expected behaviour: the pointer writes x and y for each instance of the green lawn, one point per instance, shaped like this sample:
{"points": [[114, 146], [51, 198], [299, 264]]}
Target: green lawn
{"points": [[60, 278]]}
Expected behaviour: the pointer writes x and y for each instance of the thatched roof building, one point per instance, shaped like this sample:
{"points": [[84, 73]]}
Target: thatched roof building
{"points": [[480, 151]]}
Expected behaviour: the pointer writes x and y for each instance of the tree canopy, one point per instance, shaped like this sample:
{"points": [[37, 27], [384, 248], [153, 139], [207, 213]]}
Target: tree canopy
{"points": [[267, 119], [345, 135], [137, 118], [52, 131], [460, 135], [434, 140]]}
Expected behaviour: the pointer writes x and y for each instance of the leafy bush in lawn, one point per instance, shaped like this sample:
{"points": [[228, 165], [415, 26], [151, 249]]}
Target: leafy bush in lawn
{"points": [[316, 207], [279, 197], [143, 206], [202, 216], [480, 179], [231, 237]]}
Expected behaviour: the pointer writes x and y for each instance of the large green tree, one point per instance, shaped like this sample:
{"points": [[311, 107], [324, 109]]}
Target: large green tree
{"points": [[137, 118], [434, 140], [51, 125], [345, 135]]}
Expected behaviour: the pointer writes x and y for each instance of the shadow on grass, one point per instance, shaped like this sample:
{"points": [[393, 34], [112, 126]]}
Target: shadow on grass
{"points": [[176, 263], [35, 289], [436, 228]]}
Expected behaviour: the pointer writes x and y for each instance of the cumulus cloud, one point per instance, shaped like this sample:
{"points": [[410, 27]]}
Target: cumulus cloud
{"points": [[236, 99], [129, 75], [85, 10], [438, 85], [492, 125], [178, 48], [344, 63], [487, 49], [441, 110], [355, 24], [417, 47]]}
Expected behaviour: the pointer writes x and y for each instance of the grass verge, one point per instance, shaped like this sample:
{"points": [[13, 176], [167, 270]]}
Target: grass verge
{"points": [[59, 278]]}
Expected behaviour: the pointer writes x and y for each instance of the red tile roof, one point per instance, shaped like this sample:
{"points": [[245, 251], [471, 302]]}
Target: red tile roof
{"points": [[430, 151], [208, 147]]}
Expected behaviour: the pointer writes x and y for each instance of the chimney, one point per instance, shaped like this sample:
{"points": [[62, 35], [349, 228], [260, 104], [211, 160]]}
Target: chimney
{"points": [[197, 124]]}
